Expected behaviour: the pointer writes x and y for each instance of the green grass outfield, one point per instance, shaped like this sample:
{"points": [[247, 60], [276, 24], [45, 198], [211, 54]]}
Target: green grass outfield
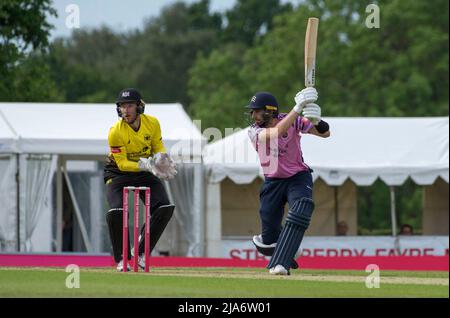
{"points": [[218, 283]]}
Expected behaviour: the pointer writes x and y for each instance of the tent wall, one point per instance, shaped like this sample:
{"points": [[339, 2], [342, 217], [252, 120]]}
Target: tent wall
{"points": [[213, 220], [171, 241], [240, 208], [324, 220], [186, 191], [332, 205], [8, 204], [348, 206], [25, 224], [36, 173], [435, 208], [41, 238]]}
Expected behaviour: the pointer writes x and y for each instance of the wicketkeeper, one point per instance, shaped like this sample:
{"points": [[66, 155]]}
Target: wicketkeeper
{"points": [[137, 158], [276, 138]]}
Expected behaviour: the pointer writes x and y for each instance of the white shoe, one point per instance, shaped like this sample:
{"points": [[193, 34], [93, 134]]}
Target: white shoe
{"points": [[132, 249], [120, 266], [279, 270], [257, 240], [141, 261], [141, 258]]}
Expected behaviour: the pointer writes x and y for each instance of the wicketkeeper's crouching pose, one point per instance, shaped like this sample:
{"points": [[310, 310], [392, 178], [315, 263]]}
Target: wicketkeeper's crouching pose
{"points": [[276, 138], [137, 158]]}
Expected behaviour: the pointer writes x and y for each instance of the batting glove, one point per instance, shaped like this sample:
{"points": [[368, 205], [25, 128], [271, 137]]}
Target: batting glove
{"points": [[305, 96], [313, 113]]}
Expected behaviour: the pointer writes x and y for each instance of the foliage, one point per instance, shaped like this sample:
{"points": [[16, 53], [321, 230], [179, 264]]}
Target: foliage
{"points": [[400, 69], [23, 28]]}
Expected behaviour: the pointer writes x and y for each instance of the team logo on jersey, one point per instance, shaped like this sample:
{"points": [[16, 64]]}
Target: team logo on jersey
{"points": [[115, 150], [147, 137]]}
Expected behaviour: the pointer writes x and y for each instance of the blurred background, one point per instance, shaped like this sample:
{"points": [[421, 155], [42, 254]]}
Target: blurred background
{"points": [[210, 56]]}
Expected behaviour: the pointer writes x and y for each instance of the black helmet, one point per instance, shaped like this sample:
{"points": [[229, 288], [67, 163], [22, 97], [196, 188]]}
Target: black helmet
{"points": [[130, 95], [263, 100], [266, 101]]}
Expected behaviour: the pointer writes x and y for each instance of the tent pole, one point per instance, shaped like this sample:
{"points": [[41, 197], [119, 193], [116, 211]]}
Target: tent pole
{"points": [[336, 209], [59, 205], [393, 212], [199, 197], [18, 201]]}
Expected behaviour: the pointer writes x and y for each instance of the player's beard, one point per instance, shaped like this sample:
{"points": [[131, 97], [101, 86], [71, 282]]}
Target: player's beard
{"points": [[259, 121], [265, 120], [131, 119]]}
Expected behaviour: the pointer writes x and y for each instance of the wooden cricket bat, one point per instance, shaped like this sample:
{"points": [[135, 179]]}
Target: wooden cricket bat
{"points": [[310, 51]]}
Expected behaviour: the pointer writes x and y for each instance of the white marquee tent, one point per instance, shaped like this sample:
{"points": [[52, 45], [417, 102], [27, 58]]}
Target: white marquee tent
{"points": [[36, 141]]}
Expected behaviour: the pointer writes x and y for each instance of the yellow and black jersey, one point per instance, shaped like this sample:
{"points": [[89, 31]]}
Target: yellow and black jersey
{"points": [[127, 145]]}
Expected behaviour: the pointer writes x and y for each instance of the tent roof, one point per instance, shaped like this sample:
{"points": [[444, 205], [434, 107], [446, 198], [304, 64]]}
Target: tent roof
{"points": [[362, 149], [82, 129]]}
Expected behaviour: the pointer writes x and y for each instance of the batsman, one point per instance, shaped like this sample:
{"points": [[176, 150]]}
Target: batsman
{"points": [[137, 158], [276, 138]]}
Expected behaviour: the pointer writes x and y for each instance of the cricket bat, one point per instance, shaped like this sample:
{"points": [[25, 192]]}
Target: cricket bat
{"points": [[310, 51]]}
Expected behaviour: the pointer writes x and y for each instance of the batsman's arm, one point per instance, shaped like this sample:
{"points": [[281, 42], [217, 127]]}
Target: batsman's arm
{"points": [[281, 128]]}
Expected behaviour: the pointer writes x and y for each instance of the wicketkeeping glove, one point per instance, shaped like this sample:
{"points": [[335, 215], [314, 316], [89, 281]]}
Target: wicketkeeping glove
{"points": [[161, 165]]}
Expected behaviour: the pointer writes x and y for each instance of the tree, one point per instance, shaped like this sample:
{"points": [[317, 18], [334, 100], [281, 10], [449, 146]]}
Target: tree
{"points": [[91, 66], [94, 65], [250, 19], [218, 91], [400, 69], [200, 18], [31, 81], [169, 46], [23, 29]]}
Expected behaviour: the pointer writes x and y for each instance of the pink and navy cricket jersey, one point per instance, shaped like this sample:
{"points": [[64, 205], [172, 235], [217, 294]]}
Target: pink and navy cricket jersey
{"points": [[281, 158]]}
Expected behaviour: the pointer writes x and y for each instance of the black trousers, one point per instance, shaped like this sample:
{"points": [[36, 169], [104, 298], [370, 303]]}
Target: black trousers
{"points": [[158, 197], [273, 197], [115, 185]]}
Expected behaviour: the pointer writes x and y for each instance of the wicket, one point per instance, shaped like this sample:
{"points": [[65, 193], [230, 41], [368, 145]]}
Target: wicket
{"points": [[136, 228]]}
